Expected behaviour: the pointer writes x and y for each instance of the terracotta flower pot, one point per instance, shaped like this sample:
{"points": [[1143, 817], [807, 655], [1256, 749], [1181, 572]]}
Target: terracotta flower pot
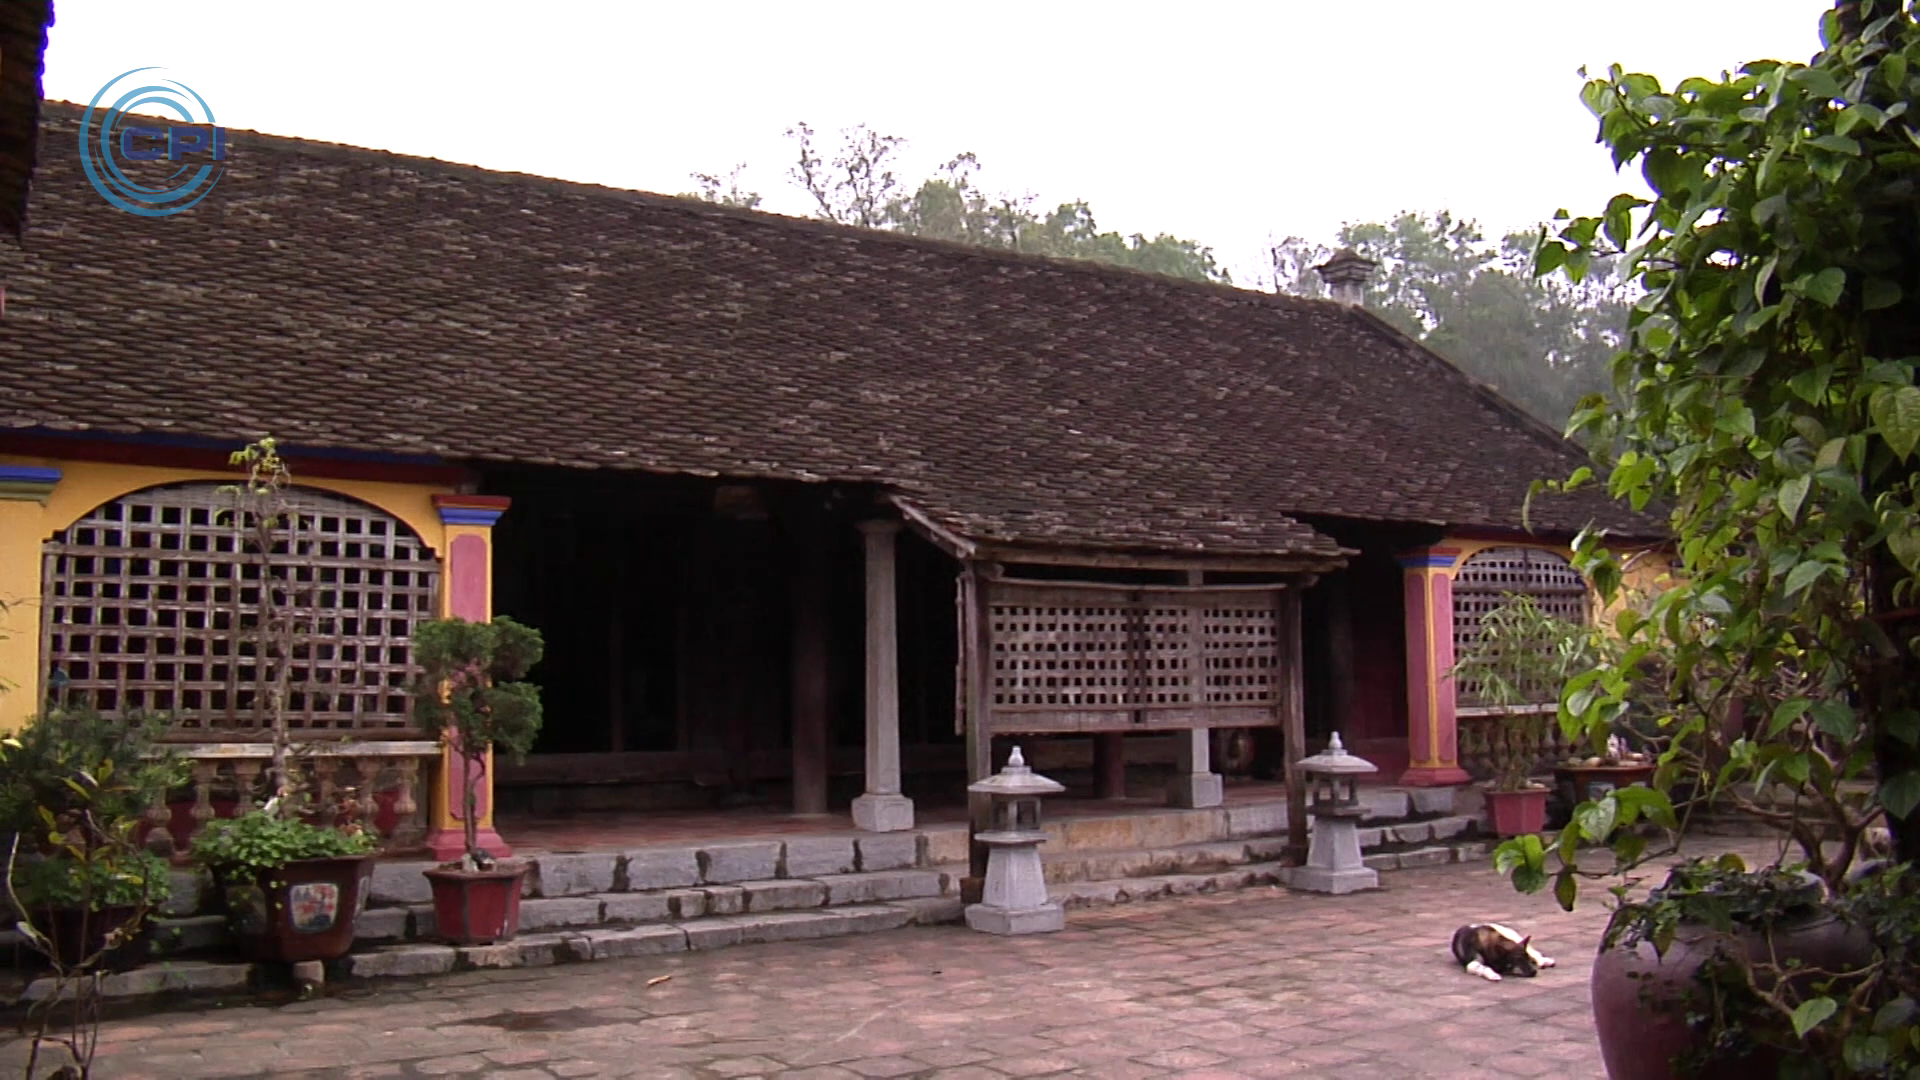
{"points": [[302, 911], [1641, 1000], [476, 907], [1517, 813]]}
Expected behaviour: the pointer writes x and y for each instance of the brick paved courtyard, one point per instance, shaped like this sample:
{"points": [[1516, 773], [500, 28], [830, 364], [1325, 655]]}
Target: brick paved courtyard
{"points": [[1260, 983]]}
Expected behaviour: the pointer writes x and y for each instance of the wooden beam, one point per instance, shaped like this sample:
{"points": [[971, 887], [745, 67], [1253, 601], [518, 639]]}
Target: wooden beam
{"points": [[976, 651], [1278, 564], [1293, 721], [811, 595]]}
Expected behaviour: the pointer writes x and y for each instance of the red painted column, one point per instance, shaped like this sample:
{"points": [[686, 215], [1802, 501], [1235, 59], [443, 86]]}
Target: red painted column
{"points": [[1433, 741], [467, 593]]}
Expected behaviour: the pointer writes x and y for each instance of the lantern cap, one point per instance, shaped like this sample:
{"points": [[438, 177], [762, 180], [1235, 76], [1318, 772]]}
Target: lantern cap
{"points": [[1335, 761], [1015, 778]]}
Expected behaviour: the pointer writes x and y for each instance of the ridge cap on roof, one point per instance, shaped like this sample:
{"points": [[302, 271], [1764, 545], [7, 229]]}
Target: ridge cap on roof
{"points": [[769, 218]]}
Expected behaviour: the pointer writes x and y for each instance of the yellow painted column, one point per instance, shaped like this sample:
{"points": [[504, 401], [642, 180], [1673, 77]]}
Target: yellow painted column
{"points": [[24, 490], [466, 593], [1432, 732]]}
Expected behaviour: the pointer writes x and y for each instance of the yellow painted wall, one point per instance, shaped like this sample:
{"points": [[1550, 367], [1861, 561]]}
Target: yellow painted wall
{"points": [[25, 525]]}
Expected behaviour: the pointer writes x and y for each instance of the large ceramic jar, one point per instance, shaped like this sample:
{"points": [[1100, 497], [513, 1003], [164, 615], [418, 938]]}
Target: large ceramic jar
{"points": [[1641, 1000]]}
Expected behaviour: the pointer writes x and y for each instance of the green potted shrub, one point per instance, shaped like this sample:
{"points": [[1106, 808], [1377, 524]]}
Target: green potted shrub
{"points": [[468, 692], [1515, 667], [74, 788], [292, 889]]}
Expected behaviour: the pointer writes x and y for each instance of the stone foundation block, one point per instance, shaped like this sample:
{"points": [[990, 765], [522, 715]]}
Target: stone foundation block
{"points": [[763, 896], [1257, 819], [1433, 856], [712, 933], [891, 851], [927, 910], [542, 914], [791, 926], [1382, 860], [881, 885], [725, 899], [381, 924], [400, 960], [945, 845], [998, 920], [401, 883], [636, 907], [533, 950], [808, 857], [1432, 800], [1266, 848], [640, 941], [186, 898], [1385, 804], [188, 934], [1372, 837], [687, 903], [1417, 833], [883, 813], [728, 863], [658, 868], [1448, 828], [421, 921], [572, 875], [1472, 852]]}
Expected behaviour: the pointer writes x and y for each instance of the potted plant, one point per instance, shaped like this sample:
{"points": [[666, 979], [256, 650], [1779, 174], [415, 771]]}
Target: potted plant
{"points": [[292, 889], [1586, 778], [74, 787], [468, 692], [1514, 668]]}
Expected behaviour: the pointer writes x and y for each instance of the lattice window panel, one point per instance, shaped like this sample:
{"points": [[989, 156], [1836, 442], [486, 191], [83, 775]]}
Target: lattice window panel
{"points": [[152, 603], [1110, 654], [1488, 577], [1242, 655]]}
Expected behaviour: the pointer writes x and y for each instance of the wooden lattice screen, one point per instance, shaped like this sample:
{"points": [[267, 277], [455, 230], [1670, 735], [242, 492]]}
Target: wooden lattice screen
{"points": [[1080, 659], [1488, 577], [152, 604]]}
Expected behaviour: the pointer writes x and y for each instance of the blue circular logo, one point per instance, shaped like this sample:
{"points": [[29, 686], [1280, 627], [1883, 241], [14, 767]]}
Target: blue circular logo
{"points": [[110, 138]]}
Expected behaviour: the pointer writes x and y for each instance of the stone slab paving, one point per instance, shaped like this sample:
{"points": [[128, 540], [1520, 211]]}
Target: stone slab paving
{"points": [[1261, 983]]}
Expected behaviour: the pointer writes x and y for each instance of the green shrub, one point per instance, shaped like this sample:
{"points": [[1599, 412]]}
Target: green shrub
{"points": [[260, 841]]}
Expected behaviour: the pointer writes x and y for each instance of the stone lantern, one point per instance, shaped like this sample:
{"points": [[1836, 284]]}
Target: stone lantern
{"points": [[1014, 898], [1334, 864]]}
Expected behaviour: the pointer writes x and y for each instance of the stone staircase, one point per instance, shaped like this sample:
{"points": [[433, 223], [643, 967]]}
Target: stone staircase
{"points": [[581, 906]]}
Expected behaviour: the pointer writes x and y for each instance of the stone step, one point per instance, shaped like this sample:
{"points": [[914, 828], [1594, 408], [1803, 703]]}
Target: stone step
{"points": [[178, 977], [1083, 894], [1066, 866]]}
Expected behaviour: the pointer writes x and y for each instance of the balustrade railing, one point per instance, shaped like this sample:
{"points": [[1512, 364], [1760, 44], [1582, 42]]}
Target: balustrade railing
{"points": [[1475, 726], [386, 780]]}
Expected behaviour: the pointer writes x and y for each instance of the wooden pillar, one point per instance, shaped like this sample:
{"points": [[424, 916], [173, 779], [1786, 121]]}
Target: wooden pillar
{"points": [[1110, 765], [466, 593], [1194, 784], [1433, 742], [812, 657], [883, 808], [1339, 631], [976, 708], [1293, 717]]}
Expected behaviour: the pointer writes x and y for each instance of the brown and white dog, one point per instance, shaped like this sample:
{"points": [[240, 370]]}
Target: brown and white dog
{"points": [[1494, 952]]}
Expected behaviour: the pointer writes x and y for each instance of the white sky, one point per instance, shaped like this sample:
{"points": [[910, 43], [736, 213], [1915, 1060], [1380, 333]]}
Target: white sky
{"points": [[1226, 123]]}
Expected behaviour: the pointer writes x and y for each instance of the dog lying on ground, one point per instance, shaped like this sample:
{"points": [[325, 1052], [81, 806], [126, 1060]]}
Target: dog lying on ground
{"points": [[1494, 952]]}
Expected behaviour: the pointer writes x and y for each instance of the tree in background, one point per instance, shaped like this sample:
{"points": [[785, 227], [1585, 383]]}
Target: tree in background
{"points": [[1543, 343], [857, 185]]}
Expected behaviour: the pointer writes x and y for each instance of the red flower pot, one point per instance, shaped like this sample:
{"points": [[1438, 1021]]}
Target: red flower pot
{"points": [[476, 907], [302, 911], [1517, 813]]}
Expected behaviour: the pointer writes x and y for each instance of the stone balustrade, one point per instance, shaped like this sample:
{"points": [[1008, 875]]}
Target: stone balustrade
{"points": [[388, 779]]}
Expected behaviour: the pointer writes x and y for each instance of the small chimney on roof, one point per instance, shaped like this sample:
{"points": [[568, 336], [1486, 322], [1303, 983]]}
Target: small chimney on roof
{"points": [[1346, 275]]}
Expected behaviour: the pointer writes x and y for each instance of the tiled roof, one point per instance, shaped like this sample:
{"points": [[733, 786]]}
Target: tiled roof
{"points": [[343, 297], [23, 45]]}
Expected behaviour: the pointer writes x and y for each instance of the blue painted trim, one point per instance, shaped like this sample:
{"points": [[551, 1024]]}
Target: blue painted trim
{"points": [[198, 442], [468, 515], [29, 474], [1412, 561]]}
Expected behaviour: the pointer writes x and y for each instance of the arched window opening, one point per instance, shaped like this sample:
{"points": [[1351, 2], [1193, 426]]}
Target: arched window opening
{"points": [[1488, 577], [153, 604]]}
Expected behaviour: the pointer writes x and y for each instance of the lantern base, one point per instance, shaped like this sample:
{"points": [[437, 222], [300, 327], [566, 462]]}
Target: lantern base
{"points": [[988, 919], [883, 813], [1322, 880]]}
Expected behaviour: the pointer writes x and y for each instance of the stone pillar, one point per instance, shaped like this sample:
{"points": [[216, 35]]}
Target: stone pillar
{"points": [[1433, 742], [24, 490], [466, 592], [883, 808], [812, 687], [1194, 784]]}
